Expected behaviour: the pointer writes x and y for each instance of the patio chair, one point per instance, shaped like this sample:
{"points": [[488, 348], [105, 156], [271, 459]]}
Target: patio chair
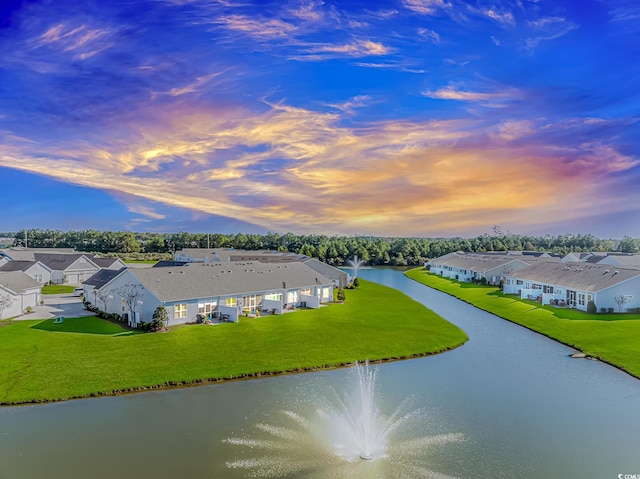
{"points": [[58, 320]]}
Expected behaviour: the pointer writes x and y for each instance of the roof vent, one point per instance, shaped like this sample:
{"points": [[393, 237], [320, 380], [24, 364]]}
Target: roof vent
{"points": [[605, 271], [615, 272]]}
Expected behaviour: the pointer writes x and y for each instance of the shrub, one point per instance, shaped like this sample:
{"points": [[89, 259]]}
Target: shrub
{"points": [[341, 296], [356, 283], [591, 307]]}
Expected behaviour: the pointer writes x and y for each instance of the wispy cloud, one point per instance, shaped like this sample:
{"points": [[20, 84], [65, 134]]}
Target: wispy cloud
{"points": [[260, 28], [548, 28], [504, 17], [431, 35], [426, 7], [490, 98], [80, 40]]}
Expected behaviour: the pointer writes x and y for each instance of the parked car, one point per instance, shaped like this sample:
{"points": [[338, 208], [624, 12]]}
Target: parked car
{"points": [[78, 292]]}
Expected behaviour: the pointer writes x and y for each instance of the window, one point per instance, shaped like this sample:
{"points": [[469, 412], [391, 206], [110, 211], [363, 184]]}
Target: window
{"points": [[273, 296], [38, 277], [249, 302], [306, 292], [230, 302], [581, 299], [206, 307], [180, 311], [292, 297], [326, 292], [518, 281], [547, 289]]}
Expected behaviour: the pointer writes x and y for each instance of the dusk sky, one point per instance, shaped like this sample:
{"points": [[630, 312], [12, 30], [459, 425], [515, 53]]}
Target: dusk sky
{"points": [[398, 118]]}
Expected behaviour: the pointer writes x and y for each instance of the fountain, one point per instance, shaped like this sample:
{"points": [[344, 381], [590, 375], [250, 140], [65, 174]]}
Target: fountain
{"points": [[346, 436]]}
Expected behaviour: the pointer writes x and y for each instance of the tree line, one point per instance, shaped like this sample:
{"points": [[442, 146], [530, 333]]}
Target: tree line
{"points": [[335, 250]]}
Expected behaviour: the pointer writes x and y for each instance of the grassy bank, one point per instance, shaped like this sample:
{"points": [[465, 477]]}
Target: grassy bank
{"points": [[613, 338], [82, 357]]}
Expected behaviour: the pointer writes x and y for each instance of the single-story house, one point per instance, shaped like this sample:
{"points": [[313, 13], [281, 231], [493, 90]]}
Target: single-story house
{"points": [[625, 260], [35, 269], [68, 268], [108, 263], [225, 289], [576, 284], [339, 277], [476, 266], [18, 292], [91, 286], [217, 255]]}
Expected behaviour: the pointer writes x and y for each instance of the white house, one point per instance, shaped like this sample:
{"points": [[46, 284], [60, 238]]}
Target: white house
{"points": [[576, 284], [17, 293], [227, 289], [476, 266], [34, 269], [68, 268]]}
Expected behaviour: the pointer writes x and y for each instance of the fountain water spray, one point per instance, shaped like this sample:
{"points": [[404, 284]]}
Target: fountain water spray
{"points": [[349, 435]]}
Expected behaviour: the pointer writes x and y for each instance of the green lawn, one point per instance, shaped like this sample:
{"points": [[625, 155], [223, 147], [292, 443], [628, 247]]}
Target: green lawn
{"points": [[57, 289], [42, 361], [613, 338]]}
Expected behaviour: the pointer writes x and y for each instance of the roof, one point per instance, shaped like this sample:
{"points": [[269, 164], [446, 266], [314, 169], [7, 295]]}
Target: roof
{"points": [[104, 262], [60, 262], [163, 263], [231, 254], [102, 277], [17, 265], [202, 280], [474, 261], [27, 254], [626, 260], [578, 276], [17, 281], [325, 269]]}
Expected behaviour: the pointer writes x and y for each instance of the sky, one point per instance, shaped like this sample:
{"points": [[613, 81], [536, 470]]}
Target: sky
{"points": [[432, 118]]}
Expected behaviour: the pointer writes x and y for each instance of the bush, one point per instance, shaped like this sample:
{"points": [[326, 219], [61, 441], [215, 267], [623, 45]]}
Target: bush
{"points": [[151, 326], [356, 282], [591, 307], [340, 295]]}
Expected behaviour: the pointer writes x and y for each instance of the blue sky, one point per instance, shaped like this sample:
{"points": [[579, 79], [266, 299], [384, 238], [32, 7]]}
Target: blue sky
{"points": [[408, 118]]}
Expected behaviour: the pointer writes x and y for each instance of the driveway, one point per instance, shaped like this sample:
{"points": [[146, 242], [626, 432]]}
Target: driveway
{"points": [[58, 305]]}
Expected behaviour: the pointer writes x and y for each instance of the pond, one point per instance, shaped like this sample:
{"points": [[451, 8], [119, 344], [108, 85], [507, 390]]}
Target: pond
{"points": [[508, 404]]}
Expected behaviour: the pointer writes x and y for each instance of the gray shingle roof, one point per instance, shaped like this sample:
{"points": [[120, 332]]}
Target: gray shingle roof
{"points": [[578, 276], [59, 262], [104, 262], [17, 281], [198, 280], [17, 265], [476, 262], [102, 277]]}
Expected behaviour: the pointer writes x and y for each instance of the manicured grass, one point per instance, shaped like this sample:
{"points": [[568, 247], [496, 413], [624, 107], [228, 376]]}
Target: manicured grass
{"points": [[42, 361], [613, 338], [57, 289]]}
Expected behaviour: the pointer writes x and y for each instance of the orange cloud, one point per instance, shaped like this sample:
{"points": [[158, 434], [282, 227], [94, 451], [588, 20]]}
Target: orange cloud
{"points": [[290, 168]]}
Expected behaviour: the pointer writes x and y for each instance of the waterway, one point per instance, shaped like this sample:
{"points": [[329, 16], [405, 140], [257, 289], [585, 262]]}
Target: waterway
{"points": [[525, 409]]}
